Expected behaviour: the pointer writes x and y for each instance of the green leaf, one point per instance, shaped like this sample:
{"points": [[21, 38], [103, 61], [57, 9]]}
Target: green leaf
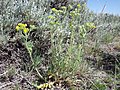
{"points": [[29, 46]]}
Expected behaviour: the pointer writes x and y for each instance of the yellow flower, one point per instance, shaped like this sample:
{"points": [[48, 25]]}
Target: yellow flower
{"points": [[40, 86], [54, 9], [45, 85], [52, 23], [17, 28], [21, 25], [63, 7], [79, 6], [50, 84], [72, 13], [90, 25], [51, 17], [25, 25], [25, 30]]}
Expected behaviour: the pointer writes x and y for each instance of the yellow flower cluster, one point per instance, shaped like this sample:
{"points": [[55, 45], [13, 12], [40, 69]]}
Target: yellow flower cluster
{"points": [[51, 17], [54, 10], [91, 25], [22, 26], [45, 85], [79, 6]]}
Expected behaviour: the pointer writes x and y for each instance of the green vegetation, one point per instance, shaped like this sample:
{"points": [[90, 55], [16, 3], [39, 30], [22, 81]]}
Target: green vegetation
{"points": [[66, 47]]}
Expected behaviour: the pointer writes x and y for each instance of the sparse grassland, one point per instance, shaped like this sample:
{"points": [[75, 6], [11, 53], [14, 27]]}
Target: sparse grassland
{"points": [[49, 47]]}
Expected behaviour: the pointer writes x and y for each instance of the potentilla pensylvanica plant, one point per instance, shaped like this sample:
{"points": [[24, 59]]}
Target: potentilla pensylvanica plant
{"points": [[67, 38], [25, 31]]}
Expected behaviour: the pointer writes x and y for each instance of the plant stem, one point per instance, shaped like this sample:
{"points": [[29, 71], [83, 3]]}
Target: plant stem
{"points": [[31, 58]]}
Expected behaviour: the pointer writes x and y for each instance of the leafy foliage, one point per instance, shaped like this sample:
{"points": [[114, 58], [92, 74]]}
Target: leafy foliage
{"points": [[56, 36]]}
